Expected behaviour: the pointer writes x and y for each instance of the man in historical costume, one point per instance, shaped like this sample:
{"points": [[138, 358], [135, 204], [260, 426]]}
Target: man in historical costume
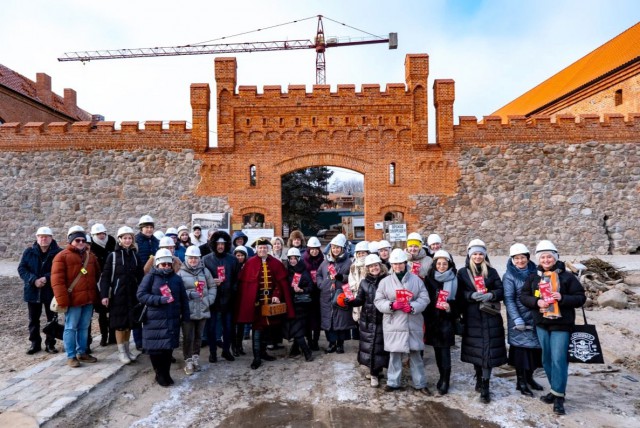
{"points": [[262, 281]]}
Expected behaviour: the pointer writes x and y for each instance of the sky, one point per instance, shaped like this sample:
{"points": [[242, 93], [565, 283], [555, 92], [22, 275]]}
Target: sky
{"points": [[493, 50]]}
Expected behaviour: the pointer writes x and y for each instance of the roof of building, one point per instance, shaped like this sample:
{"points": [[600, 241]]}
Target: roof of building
{"points": [[618, 53], [27, 87]]}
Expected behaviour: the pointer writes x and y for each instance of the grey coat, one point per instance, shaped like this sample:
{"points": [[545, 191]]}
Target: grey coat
{"points": [[402, 331], [198, 306], [517, 313]]}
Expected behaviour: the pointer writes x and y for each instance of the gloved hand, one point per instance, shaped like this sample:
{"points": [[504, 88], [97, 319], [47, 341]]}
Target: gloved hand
{"points": [[339, 277], [164, 300], [397, 306], [520, 327], [476, 296], [407, 308], [485, 297]]}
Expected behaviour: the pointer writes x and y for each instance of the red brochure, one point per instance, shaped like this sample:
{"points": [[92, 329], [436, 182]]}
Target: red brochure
{"points": [[332, 270], [347, 291], [479, 284], [403, 295], [415, 268], [166, 292], [545, 292], [221, 275], [442, 298], [296, 280], [200, 287], [314, 276]]}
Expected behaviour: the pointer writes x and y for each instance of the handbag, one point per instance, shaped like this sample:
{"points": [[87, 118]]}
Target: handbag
{"points": [[54, 303], [584, 344], [53, 328], [492, 308]]}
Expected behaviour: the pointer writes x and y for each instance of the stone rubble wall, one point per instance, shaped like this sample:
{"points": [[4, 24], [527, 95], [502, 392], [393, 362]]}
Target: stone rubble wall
{"points": [[115, 187], [583, 197]]}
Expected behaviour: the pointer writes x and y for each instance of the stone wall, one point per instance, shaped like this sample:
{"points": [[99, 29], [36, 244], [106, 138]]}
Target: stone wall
{"points": [[583, 197], [115, 187]]}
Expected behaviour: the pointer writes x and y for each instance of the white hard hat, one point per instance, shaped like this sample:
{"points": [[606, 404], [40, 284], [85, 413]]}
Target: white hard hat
{"points": [[98, 228], [384, 244], [146, 219], [171, 231], [242, 249], [434, 238], [163, 256], [88, 238], [518, 249], [397, 256], [166, 241], [371, 259], [74, 229], [181, 228], [415, 236], [193, 251], [196, 226], [124, 230], [293, 252], [158, 234], [442, 254], [476, 243], [340, 240], [44, 230], [373, 247], [545, 245], [313, 242], [362, 246]]}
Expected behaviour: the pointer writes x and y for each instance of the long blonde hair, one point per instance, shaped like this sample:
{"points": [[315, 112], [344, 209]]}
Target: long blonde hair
{"points": [[484, 268]]}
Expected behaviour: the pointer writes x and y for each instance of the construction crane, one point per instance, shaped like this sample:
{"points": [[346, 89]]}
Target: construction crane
{"points": [[320, 44]]}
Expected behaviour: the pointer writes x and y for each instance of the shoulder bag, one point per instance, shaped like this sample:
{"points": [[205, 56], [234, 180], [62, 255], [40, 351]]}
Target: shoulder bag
{"points": [[53, 328]]}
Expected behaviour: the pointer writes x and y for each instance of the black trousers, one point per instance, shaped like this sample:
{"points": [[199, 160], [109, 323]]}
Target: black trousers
{"points": [[35, 312]]}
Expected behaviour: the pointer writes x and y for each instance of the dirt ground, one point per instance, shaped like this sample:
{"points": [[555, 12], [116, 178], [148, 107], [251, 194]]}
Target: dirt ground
{"points": [[332, 391]]}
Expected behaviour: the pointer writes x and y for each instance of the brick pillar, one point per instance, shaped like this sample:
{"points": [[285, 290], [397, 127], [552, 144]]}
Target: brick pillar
{"points": [[70, 101], [416, 73], [200, 105], [226, 81], [43, 88], [444, 96]]}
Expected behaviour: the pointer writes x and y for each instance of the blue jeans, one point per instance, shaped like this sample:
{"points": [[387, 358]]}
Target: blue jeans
{"points": [[76, 330], [418, 374], [223, 318], [555, 345]]}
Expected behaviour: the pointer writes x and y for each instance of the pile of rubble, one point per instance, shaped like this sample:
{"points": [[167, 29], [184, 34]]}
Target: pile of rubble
{"points": [[604, 284]]}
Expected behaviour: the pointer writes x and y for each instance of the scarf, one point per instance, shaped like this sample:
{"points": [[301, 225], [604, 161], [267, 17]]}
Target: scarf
{"points": [[450, 281], [101, 242]]}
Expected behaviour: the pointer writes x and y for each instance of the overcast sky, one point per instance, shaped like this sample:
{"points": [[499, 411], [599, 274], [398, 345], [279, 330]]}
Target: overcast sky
{"points": [[494, 50]]}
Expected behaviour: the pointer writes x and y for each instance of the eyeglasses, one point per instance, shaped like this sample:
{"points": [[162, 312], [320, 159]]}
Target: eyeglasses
{"points": [[79, 240], [164, 264]]}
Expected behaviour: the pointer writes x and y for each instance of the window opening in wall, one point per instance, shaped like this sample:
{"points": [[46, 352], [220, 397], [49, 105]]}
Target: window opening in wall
{"points": [[248, 122], [346, 120], [618, 97], [330, 121], [252, 175], [313, 121], [380, 121], [282, 121], [264, 121], [397, 120], [364, 120], [253, 221], [297, 121], [392, 173]]}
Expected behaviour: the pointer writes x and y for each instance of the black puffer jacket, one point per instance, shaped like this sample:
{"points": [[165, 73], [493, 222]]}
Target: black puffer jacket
{"points": [[301, 301], [483, 335], [371, 351], [572, 294], [439, 324], [119, 282]]}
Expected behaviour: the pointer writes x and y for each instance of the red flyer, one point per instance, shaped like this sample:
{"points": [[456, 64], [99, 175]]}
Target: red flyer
{"points": [[415, 268], [314, 276], [200, 287], [442, 298], [347, 291], [166, 292], [332, 270], [221, 275], [479, 284], [545, 292], [296, 280], [403, 295]]}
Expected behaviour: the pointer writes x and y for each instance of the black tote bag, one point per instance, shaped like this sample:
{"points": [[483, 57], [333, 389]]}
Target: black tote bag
{"points": [[53, 328], [584, 345]]}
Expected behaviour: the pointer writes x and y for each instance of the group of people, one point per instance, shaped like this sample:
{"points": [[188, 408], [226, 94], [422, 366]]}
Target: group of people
{"points": [[213, 291]]}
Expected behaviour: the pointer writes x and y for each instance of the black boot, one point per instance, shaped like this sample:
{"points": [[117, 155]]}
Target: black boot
{"points": [[441, 372], [331, 349], [340, 347], [255, 346], [485, 395], [478, 378], [302, 344], [313, 344], [521, 384], [558, 406], [528, 374], [444, 387], [295, 350]]}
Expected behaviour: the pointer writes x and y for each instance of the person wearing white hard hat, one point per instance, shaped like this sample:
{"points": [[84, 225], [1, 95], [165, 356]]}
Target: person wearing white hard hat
{"points": [[371, 352], [197, 238], [201, 292], [402, 297], [312, 259], [434, 243], [301, 285], [524, 347], [357, 272], [418, 260], [373, 247], [331, 277], [35, 271], [441, 314], [101, 246], [483, 335], [553, 317], [167, 306], [158, 234], [145, 240], [119, 282], [75, 265], [384, 251], [168, 243]]}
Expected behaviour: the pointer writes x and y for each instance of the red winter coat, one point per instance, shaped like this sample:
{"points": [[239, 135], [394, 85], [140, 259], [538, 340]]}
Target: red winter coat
{"points": [[66, 267]]}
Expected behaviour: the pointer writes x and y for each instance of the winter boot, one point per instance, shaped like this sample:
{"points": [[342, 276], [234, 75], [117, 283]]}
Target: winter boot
{"points": [[558, 406], [257, 350], [313, 344], [188, 367], [521, 384], [444, 387], [340, 347], [196, 363], [132, 351], [331, 349], [375, 382], [485, 395], [478, 378], [123, 355], [308, 356], [295, 350], [167, 368], [441, 378], [528, 374]]}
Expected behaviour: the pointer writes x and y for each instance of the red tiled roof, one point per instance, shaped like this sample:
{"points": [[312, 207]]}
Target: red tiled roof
{"points": [[618, 52], [27, 87]]}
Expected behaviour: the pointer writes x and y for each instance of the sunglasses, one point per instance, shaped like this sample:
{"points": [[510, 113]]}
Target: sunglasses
{"points": [[79, 240], [164, 264]]}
